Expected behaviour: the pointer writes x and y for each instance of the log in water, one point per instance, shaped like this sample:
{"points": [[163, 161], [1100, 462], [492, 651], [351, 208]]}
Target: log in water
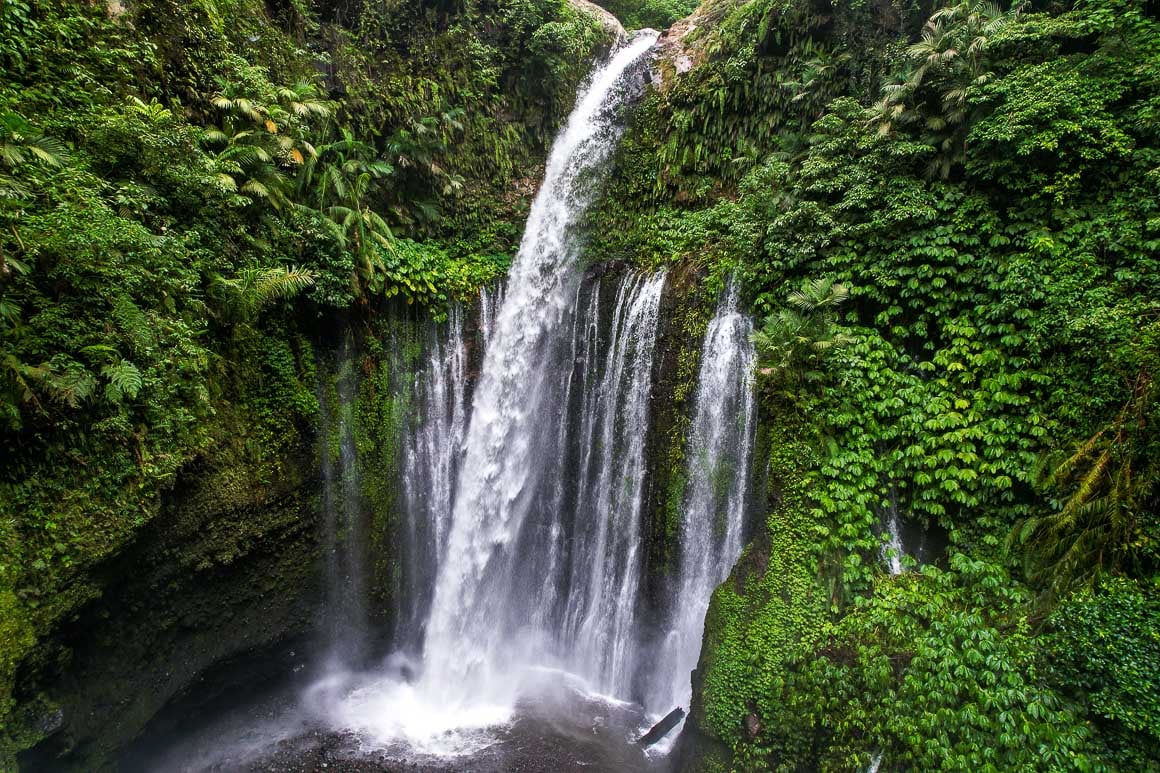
{"points": [[662, 728]]}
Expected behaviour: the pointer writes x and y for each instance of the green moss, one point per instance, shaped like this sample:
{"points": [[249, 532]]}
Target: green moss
{"points": [[227, 563], [771, 607]]}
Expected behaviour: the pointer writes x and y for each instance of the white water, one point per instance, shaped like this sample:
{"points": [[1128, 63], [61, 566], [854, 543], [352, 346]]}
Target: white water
{"points": [[510, 595], [892, 548], [600, 627], [432, 455], [719, 451], [471, 649]]}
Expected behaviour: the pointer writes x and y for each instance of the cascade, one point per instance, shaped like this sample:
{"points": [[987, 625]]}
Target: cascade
{"points": [[345, 614], [905, 542], [892, 549], [490, 300], [477, 632], [533, 555], [600, 624], [431, 455], [719, 449], [518, 525]]}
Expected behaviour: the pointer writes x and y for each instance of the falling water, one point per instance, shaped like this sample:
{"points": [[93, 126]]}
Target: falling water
{"points": [[473, 645], [519, 524], [490, 301], [719, 451], [539, 562], [345, 623], [892, 549], [907, 542], [431, 455], [605, 565]]}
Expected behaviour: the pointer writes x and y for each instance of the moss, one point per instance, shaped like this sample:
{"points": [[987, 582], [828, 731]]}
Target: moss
{"points": [[224, 507], [684, 313], [383, 403], [771, 606], [228, 564]]}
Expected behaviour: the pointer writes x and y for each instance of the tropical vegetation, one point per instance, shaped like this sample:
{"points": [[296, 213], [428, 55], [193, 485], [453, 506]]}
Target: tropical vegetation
{"points": [[946, 217]]}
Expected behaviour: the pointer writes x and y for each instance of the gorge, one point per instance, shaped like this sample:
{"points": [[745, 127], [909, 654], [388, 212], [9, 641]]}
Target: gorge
{"points": [[481, 386]]}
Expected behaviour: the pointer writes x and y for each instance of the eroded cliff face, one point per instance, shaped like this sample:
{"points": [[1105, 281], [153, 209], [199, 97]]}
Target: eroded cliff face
{"points": [[230, 565]]}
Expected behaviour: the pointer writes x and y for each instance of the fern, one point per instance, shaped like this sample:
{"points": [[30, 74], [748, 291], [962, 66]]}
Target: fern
{"points": [[123, 381], [63, 379], [133, 323], [241, 298]]}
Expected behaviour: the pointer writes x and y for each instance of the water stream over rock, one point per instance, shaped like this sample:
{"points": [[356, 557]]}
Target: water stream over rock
{"points": [[719, 451]]}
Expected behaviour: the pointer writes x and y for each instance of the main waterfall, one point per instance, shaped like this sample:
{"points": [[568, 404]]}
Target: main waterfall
{"points": [[535, 552], [521, 544], [479, 625]]}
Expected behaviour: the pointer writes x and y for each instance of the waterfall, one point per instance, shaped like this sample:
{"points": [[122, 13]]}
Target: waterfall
{"points": [[535, 551], [473, 644], [490, 300], [719, 449], [432, 450], [345, 613], [432, 454], [905, 542], [892, 549], [605, 563]]}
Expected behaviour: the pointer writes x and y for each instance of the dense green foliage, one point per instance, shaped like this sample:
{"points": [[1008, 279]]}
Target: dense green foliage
{"points": [[651, 14], [985, 186], [185, 188], [947, 216], [1104, 650], [936, 670]]}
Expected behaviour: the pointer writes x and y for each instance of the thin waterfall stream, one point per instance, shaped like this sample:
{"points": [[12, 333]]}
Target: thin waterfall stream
{"points": [[719, 453], [345, 614]]}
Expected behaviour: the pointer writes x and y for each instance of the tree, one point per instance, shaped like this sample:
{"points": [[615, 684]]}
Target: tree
{"points": [[950, 67]]}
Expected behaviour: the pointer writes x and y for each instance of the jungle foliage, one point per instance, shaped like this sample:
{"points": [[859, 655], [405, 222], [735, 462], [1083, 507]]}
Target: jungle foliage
{"points": [[652, 14], [981, 181], [186, 190]]}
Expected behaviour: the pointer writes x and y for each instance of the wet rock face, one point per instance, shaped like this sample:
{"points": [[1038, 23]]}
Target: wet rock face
{"points": [[752, 726], [611, 24], [51, 722], [213, 576]]}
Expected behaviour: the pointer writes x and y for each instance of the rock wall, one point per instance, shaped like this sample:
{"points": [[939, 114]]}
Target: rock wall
{"points": [[229, 565]]}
